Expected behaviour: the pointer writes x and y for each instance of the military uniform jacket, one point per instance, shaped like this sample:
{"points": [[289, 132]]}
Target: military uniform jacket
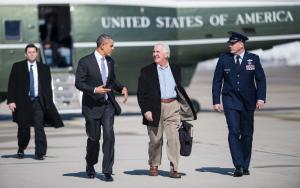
{"points": [[242, 87], [18, 89]]}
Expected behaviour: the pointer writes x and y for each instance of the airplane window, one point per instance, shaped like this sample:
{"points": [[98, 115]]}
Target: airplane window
{"points": [[12, 30]]}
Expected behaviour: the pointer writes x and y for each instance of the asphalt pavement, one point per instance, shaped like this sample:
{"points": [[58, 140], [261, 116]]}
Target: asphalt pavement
{"points": [[275, 158]]}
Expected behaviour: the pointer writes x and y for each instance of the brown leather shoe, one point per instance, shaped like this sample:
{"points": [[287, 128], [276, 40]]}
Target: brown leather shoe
{"points": [[175, 174], [153, 171]]}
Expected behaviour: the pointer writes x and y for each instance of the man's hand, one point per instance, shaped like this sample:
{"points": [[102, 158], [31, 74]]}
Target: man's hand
{"points": [[12, 106], [148, 116], [125, 93], [217, 108], [260, 104], [101, 90]]}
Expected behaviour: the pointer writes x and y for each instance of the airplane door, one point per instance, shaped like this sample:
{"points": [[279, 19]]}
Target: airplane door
{"points": [[55, 35]]}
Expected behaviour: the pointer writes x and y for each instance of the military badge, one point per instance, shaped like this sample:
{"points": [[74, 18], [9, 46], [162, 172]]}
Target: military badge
{"points": [[250, 65]]}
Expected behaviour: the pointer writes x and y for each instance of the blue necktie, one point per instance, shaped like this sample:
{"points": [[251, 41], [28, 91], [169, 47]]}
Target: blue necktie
{"points": [[31, 82], [103, 71]]}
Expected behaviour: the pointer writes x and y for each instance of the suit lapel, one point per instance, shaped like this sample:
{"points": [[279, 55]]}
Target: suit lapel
{"points": [[95, 67], [109, 68], [232, 63], [40, 77], [25, 76], [155, 78], [175, 76], [243, 63]]}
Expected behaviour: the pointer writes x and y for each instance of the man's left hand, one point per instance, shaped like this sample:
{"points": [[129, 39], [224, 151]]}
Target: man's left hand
{"points": [[260, 104], [125, 93]]}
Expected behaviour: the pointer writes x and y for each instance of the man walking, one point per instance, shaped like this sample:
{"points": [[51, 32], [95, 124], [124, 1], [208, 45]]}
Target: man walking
{"points": [[30, 99], [160, 95], [95, 77], [240, 78]]}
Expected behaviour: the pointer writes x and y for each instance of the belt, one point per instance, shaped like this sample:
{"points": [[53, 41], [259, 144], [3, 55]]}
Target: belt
{"points": [[167, 100]]}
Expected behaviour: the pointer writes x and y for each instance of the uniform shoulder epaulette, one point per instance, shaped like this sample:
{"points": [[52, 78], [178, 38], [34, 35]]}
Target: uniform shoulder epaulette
{"points": [[252, 54], [224, 54]]}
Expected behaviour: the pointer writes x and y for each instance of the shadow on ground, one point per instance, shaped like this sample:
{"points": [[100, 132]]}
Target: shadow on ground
{"points": [[143, 172], [217, 170], [15, 156]]}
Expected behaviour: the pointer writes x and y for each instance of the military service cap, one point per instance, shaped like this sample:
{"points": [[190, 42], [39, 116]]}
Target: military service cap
{"points": [[235, 37]]}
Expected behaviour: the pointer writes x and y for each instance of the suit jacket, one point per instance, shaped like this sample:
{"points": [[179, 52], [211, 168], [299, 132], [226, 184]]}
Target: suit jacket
{"points": [[88, 76], [241, 88], [18, 89], [149, 94]]}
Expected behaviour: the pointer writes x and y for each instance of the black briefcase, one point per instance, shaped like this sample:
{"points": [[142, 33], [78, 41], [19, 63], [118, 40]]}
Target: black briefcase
{"points": [[185, 138]]}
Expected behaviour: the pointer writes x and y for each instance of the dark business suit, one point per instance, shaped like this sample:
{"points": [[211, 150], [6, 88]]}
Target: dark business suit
{"points": [[241, 88], [37, 113], [97, 110], [149, 96]]}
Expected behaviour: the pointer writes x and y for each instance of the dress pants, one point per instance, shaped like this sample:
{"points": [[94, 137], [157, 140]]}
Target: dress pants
{"points": [[240, 136], [169, 121], [93, 131], [38, 123]]}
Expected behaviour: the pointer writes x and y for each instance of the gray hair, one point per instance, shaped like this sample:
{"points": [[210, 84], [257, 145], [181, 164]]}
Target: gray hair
{"points": [[165, 47], [102, 38]]}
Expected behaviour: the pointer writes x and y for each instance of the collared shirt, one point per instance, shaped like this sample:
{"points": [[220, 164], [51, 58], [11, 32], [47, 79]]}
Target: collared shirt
{"points": [[241, 56], [166, 82], [35, 76], [99, 57]]}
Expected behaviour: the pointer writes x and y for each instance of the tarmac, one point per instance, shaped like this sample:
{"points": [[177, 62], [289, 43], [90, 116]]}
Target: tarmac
{"points": [[275, 158]]}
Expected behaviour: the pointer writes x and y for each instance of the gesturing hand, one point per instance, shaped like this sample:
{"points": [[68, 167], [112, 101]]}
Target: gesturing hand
{"points": [[101, 89]]}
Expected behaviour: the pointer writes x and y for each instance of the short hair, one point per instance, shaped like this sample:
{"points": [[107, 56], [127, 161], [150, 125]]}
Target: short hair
{"points": [[30, 46], [102, 38], [165, 47]]}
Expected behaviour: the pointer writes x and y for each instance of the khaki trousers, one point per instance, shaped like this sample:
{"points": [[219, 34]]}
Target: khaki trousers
{"points": [[169, 121]]}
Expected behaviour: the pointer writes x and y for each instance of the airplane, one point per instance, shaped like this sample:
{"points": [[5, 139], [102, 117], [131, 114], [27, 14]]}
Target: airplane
{"points": [[195, 31]]}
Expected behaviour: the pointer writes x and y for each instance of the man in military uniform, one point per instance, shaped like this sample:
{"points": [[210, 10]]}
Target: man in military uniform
{"points": [[240, 78]]}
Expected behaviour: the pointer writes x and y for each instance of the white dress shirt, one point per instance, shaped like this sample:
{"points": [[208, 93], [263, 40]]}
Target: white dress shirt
{"points": [[99, 57]]}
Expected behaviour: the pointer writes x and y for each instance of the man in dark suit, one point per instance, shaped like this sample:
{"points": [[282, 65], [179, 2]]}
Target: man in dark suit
{"points": [[241, 78], [164, 103], [95, 77], [31, 101]]}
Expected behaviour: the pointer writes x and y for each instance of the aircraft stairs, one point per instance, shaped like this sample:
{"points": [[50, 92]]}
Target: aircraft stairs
{"points": [[66, 97]]}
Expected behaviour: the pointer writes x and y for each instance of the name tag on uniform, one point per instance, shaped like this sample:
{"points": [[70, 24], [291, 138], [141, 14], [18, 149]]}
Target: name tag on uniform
{"points": [[250, 65], [227, 70]]}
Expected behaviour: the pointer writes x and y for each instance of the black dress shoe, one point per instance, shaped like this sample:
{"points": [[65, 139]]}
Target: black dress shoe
{"points": [[90, 171], [238, 172], [246, 172], [175, 174], [39, 157], [108, 177], [20, 154]]}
